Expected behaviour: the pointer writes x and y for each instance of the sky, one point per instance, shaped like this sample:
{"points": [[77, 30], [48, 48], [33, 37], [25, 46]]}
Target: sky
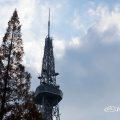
{"points": [[86, 39]]}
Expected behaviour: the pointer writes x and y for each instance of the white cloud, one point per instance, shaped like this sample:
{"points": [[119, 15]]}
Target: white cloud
{"points": [[76, 22], [75, 42], [26, 11], [105, 17], [106, 22], [33, 55], [59, 47]]}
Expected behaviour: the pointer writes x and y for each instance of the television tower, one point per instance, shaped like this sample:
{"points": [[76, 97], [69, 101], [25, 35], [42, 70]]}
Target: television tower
{"points": [[48, 93]]}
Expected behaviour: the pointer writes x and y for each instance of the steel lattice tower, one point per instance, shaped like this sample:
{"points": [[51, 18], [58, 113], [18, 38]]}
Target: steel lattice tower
{"points": [[48, 94]]}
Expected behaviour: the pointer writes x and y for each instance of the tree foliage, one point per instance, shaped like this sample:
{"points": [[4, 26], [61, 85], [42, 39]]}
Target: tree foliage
{"points": [[16, 102]]}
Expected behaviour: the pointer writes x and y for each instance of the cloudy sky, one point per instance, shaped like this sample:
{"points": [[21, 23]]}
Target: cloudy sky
{"points": [[86, 37]]}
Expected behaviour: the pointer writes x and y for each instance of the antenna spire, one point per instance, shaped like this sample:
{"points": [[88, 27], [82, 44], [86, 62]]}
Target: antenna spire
{"points": [[49, 24]]}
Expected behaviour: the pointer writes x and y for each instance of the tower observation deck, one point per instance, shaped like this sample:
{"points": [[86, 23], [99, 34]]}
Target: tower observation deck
{"points": [[48, 93]]}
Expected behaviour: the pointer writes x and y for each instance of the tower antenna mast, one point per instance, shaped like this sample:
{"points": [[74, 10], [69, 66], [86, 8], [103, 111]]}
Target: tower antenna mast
{"points": [[49, 24]]}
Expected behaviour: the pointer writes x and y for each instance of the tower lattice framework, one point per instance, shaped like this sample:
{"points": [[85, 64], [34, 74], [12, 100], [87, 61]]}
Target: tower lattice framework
{"points": [[48, 94]]}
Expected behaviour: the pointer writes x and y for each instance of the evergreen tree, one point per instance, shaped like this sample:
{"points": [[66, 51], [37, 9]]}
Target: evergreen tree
{"points": [[16, 103]]}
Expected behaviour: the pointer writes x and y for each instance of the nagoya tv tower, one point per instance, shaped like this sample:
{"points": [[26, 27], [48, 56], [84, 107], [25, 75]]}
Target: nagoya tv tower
{"points": [[48, 93]]}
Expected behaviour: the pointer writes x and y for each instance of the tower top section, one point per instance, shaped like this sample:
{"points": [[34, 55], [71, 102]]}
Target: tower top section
{"points": [[48, 74]]}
